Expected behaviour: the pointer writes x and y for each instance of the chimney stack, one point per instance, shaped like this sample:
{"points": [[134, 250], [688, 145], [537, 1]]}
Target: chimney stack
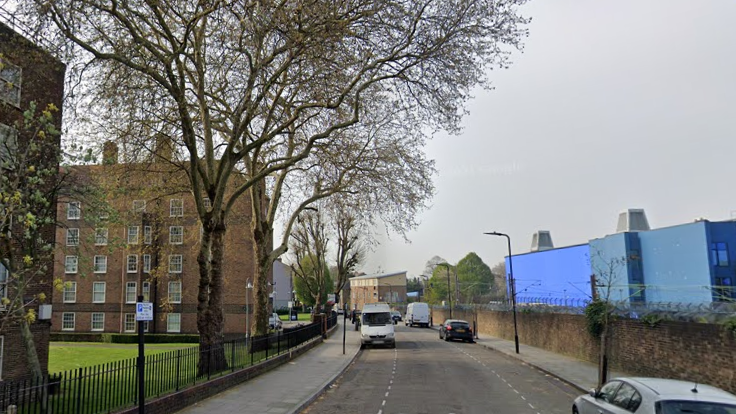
{"points": [[633, 219], [164, 149], [109, 153], [542, 240]]}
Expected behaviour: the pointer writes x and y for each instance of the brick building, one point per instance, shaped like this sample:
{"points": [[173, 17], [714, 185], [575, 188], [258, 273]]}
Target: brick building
{"points": [[28, 73], [386, 287], [142, 240]]}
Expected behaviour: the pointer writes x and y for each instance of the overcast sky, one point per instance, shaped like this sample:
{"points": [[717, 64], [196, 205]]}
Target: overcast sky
{"points": [[613, 104]]}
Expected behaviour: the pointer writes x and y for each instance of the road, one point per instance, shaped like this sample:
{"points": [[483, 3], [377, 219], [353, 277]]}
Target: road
{"points": [[427, 375]]}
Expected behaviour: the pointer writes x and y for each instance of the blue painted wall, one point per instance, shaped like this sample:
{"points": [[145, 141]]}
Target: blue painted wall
{"points": [[608, 261], [676, 264], [723, 232], [558, 273]]}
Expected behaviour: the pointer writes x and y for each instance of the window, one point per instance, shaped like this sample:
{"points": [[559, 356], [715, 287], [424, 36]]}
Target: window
{"points": [[73, 210], [132, 234], [98, 321], [146, 263], [10, 82], [608, 391], [98, 292], [129, 322], [176, 235], [67, 321], [71, 264], [72, 237], [131, 290], [174, 292], [627, 398], [70, 292], [176, 207], [3, 286], [173, 322], [139, 206], [132, 263], [147, 234], [101, 236], [8, 146], [719, 253], [207, 203], [175, 263], [146, 291], [100, 265]]}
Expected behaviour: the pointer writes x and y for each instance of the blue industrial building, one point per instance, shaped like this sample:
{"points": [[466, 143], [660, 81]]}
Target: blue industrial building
{"points": [[688, 263]]}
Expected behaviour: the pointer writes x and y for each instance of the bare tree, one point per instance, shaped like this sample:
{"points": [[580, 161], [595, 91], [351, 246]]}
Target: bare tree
{"points": [[309, 246], [254, 87], [349, 250]]}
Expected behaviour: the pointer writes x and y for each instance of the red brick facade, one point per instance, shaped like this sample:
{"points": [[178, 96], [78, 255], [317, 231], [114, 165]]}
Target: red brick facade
{"points": [[38, 78]]}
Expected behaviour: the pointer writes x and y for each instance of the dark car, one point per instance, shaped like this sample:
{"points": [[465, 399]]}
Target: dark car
{"points": [[396, 316], [456, 329]]}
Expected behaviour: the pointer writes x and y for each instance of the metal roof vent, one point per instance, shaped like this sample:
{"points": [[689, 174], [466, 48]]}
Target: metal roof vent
{"points": [[633, 219], [542, 240]]}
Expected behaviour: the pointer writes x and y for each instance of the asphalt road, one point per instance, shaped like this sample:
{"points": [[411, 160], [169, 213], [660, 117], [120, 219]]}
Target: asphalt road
{"points": [[427, 375]]}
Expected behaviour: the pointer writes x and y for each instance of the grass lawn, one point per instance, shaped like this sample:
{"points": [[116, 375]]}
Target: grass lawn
{"points": [[64, 356]]}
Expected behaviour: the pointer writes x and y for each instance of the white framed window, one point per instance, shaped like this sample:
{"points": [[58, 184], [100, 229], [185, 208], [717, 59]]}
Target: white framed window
{"points": [[71, 264], [131, 290], [175, 292], [98, 321], [176, 207], [8, 146], [146, 291], [100, 264], [11, 79], [139, 206], [146, 263], [132, 263], [73, 210], [176, 234], [132, 234], [98, 292], [70, 292], [103, 214], [72, 237], [3, 286], [68, 321], [147, 234], [207, 203], [129, 322], [175, 263], [173, 322], [101, 236]]}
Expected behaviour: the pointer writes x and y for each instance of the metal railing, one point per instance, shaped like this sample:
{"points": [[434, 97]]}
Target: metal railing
{"points": [[110, 387]]}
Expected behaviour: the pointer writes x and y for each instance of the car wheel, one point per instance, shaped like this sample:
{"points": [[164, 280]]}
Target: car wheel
{"points": [[447, 338], [575, 410], [362, 346]]}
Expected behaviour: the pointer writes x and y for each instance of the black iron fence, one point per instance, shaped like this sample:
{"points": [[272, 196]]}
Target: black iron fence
{"points": [[113, 386]]}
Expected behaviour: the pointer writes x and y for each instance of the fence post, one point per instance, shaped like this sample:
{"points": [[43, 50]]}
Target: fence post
{"points": [[178, 368], [232, 355], [209, 361], [278, 343]]}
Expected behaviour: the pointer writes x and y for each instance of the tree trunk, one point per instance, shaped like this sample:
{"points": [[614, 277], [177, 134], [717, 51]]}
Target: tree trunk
{"points": [[262, 238], [31, 353], [210, 318], [603, 357]]}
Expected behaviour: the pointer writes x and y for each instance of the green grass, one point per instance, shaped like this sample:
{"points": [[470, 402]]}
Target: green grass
{"points": [[301, 317], [65, 356]]}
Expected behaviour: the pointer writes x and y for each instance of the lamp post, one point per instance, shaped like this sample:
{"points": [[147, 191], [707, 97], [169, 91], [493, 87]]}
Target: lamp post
{"points": [[512, 285], [449, 296], [248, 285]]}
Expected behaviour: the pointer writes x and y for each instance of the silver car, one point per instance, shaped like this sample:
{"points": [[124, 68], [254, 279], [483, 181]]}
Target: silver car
{"points": [[655, 396]]}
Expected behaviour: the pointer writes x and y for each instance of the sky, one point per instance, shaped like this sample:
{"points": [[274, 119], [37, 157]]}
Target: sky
{"points": [[613, 104]]}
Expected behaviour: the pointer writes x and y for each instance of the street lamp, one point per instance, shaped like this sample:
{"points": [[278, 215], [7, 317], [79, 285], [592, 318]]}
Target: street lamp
{"points": [[449, 297], [247, 309], [512, 284]]}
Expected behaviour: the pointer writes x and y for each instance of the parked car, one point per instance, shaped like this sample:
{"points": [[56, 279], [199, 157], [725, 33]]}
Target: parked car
{"points": [[655, 396], [340, 311], [274, 322], [396, 316], [456, 329]]}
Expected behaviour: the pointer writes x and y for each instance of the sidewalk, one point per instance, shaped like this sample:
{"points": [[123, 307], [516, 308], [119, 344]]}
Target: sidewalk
{"points": [[292, 386], [580, 374]]}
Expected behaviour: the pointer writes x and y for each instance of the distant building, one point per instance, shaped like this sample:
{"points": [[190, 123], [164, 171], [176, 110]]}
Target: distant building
{"points": [[28, 74], [281, 292], [692, 263], [143, 240], [386, 287]]}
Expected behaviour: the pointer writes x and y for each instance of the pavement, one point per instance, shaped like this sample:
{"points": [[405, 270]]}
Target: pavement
{"points": [[291, 387]]}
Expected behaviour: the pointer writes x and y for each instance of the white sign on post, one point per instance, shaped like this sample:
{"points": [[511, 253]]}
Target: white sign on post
{"points": [[143, 311]]}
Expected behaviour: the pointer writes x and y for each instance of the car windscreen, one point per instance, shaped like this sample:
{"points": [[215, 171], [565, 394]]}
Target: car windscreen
{"points": [[380, 318], [698, 407]]}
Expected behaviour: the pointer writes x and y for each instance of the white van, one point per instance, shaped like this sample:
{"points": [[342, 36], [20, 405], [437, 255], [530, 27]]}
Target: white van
{"points": [[417, 313], [376, 325]]}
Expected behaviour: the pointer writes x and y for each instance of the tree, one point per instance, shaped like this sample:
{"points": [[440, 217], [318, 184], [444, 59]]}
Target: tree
{"points": [[499, 276], [439, 284], [349, 252], [251, 88], [475, 277], [312, 275], [432, 265]]}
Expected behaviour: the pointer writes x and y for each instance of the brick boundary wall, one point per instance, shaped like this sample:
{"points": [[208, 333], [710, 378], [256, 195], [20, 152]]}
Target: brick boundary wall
{"points": [[699, 352], [196, 393]]}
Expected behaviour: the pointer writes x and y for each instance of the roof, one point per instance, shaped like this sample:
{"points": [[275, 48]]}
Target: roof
{"points": [[679, 388], [378, 275]]}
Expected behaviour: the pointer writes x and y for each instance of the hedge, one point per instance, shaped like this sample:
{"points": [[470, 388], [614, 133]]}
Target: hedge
{"points": [[124, 338]]}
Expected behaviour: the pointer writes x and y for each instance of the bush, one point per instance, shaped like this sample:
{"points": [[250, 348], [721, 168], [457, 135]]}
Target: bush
{"points": [[282, 311], [595, 315], [76, 337], [730, 325], [155, 338]]}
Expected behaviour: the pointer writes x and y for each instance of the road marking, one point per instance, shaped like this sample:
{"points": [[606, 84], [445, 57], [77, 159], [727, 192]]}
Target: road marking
{"points": [[383, 403], [530, 405], [386, 394]]}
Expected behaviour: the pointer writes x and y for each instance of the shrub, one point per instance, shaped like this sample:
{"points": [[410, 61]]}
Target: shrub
{"points": [[155, 338], [595, 316], [730, 325]]}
